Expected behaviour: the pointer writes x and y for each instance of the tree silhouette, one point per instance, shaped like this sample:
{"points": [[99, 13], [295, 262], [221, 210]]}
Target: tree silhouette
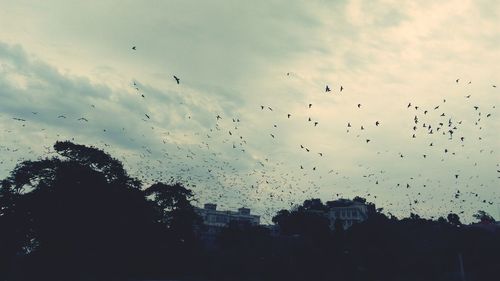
{"points": [[484, 217], [76, 213], [454, 219]]}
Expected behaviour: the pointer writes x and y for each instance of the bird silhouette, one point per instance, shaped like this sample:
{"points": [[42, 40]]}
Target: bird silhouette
{"points": [[133, 48], [177, 79], [327, 89]]}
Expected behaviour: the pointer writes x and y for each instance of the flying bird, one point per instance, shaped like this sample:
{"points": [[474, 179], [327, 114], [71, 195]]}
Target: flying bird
{"points": [[134, 48], [177, 79], [327, 89], [341, 88], [147, 116]]}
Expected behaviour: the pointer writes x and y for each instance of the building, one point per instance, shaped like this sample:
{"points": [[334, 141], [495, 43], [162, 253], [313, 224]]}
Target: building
{"points": [[213, 217], [348, 211], [214, 220]]}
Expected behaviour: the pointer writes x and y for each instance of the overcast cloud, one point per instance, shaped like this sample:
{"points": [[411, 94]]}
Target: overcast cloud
{"points": [[75, 59]]}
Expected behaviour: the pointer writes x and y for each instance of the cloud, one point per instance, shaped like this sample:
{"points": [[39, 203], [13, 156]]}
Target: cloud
{"points": [[234, 58]]}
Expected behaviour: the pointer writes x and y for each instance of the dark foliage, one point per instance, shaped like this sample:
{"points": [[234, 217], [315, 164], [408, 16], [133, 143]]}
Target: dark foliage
{"points": [[80, 216]]}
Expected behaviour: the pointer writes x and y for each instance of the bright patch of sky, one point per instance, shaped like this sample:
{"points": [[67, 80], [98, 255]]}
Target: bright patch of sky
{"points": [[68, 69]]}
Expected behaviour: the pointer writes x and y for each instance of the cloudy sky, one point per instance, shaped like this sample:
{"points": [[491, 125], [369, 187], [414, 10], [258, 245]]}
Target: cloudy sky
{"points": [[68, 69]]}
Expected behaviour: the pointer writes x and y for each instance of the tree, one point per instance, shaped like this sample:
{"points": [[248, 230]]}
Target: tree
{"points": [[76, 214], [484, 217], [454, 219], [174, 203]]}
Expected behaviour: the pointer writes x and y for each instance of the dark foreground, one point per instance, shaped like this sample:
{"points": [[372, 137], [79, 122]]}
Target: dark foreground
{"points": [[80, 216]]}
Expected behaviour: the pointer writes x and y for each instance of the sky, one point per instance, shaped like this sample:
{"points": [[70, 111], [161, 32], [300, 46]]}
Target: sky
{"points": [[69, 72]]}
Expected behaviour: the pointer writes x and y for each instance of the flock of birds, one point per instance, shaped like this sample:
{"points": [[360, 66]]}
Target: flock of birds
{"points": [[225, 164]]}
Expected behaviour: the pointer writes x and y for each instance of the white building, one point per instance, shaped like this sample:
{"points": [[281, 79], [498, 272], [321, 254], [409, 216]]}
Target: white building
{"points": [[214, 220], [350, 212], [213, 217]]}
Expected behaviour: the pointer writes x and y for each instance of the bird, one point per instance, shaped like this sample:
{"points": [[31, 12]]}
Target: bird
{"points": [[272, 136], [134, 48], [409, 105], [61, 116], [19, 119], [468, 96], [315, 123], [341, 88], [367, 140], [457, 80], [83, 119], [377, 123], [218, 117], [270, 108], [310, 105], [327, 89], [359, 105], [262, 107], [147, 116], [289, 115], [177, 79]]}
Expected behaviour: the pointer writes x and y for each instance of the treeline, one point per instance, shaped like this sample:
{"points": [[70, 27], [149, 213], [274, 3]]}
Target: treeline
{"points": [[80, 216]]}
